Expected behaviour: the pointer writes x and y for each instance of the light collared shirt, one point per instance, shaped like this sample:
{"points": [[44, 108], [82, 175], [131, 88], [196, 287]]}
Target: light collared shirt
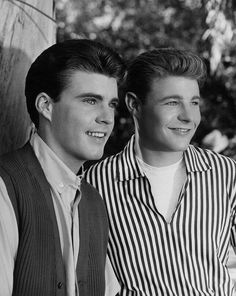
{"points": [[65, 191], [189, 255]]}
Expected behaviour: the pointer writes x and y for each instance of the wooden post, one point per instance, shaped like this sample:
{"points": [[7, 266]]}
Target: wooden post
{"points": [[26, 29]]}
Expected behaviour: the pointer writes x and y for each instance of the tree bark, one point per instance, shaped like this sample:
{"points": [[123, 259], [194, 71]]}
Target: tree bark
{"points": [[25, 31]]}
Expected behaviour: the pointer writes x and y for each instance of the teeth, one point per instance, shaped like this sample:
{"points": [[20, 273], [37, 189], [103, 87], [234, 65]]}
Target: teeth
{"points": [[184, 130], [96, 134]]}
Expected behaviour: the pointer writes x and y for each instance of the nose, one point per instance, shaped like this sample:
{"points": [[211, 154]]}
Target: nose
{"points": [[185, 113], [106, 115]]}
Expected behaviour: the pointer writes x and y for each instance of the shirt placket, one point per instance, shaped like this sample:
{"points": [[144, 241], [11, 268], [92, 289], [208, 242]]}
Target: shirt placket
{"points": [[71, 204], [75, 235]]}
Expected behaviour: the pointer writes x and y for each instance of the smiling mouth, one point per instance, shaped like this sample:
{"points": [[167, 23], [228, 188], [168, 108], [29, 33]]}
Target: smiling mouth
{"points": [[181, 130], [96, 134]]}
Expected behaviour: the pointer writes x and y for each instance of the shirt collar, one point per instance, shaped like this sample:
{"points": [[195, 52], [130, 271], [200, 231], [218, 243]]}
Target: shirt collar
{"points": [[128, 167], [56, 172], [196, 160]]}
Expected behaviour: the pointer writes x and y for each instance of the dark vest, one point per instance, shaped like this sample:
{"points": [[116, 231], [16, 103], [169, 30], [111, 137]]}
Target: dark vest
{"points": [[38, 267]]}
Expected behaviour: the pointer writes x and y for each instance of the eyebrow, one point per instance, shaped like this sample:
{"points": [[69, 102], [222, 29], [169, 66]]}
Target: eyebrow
{"points": [[178, 98], [99, 97]]}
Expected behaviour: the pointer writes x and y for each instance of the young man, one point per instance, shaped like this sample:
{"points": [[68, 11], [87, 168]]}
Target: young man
{"points": [[171, 206], [53, 225]]}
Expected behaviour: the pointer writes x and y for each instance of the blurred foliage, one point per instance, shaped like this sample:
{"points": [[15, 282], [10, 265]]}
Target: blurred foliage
{"points": [[206, 27]]}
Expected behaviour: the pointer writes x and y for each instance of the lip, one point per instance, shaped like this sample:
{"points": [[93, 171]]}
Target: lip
{"points": [[97, 134], [181, 130]]}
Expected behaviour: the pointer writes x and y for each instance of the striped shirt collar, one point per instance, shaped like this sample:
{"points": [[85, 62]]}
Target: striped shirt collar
{"points": [[129, 167]]}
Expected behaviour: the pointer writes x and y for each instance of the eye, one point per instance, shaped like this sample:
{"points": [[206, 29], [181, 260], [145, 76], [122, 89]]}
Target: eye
{"points": [[91, 101], [172, 103], [196, 103], [114, 104]]}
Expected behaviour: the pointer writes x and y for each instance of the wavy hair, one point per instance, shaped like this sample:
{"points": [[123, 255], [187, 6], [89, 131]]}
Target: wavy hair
{"points": [[160, 63]]}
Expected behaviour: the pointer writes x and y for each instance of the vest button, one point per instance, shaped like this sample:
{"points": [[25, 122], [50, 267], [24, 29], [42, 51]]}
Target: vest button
{"points": [[59, 285]]}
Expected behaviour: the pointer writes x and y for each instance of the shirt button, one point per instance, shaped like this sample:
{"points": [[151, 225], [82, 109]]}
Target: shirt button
{"points": [[59, 285]]}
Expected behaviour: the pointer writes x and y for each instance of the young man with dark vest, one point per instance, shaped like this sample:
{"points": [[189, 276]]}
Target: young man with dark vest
{"points": [[53, 224]]}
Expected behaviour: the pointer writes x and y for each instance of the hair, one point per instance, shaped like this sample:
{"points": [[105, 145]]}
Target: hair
{"points": [[52, 69], [161, 63]]}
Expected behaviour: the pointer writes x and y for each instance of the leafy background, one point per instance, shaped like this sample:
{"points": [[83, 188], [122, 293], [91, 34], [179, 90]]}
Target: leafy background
{"points": [[207, 27]]}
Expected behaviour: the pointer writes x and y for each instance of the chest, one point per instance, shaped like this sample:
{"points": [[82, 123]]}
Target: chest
{"points": [[201, 217]]}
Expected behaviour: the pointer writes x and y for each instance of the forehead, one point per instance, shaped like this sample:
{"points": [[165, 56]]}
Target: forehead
{"points": [[174, 85], [82, 81]]}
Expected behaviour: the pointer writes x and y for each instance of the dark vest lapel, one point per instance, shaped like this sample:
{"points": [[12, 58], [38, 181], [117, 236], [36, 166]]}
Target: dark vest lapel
{"points": [[31, 163], [84, 239]]}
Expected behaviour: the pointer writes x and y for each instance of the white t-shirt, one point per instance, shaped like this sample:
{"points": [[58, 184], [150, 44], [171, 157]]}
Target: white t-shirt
{"points": [[166, 184]]}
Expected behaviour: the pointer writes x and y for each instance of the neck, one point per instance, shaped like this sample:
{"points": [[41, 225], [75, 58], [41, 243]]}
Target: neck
{"points": [[71, 162], [156, 158]]}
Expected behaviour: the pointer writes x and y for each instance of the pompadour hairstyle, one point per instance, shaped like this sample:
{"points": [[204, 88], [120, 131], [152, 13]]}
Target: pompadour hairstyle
{"points": [[160, 63], [51, 70]]}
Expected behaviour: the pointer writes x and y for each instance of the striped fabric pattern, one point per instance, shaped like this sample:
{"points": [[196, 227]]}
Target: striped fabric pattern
{"points": [[187, 256]]}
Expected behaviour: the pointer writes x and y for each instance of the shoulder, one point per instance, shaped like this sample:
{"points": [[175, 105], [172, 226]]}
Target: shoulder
{"points": [[89, 190], [9, 164], [12, 178], [7, 158], [214, 159], [15, 160], [90, 193], [106, 166], [92, 201]]}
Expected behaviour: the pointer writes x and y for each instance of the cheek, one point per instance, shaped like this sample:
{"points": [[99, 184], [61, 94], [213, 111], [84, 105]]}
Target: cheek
{"points": [[198, 117], [159, 120], [64, 122], [153, 120], [145, 125], [59, 113]]}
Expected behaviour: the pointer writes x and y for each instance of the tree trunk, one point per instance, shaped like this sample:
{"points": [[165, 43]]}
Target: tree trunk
{"points": [[25, 31]]}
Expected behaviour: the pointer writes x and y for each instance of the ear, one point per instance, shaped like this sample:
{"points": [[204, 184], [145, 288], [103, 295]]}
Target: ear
{"points": [[43, 104], [133, 103]]}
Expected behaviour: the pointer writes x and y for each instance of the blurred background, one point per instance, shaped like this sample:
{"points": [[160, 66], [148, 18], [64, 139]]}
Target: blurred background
{"points": [[207, 27]]}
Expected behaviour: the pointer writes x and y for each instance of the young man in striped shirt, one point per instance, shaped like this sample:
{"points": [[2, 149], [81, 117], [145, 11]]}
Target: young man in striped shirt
{"points": [[171, 205]]}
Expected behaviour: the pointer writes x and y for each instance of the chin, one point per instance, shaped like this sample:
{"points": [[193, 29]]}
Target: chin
{"points": [[181, 148], [96, 156]]}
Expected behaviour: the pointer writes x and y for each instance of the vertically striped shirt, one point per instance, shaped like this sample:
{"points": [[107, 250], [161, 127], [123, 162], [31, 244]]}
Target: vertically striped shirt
{"points": [[187, 256]]}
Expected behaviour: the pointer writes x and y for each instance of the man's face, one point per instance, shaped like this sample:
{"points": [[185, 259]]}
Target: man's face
{"points": [[170, 115], [83, 118]]}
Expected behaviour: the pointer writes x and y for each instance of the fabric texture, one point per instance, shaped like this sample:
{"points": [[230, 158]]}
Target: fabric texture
{"points": [[38, 266], [188, 255]]}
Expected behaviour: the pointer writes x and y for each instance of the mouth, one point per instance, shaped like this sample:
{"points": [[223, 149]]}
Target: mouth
{"points": [[182, 131], [98, 135]]}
